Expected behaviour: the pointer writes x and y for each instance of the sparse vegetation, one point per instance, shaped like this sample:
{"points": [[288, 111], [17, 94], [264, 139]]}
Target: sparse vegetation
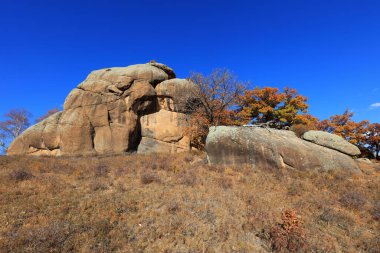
{"points": [[149, 177], [178, 203], [289, 235], [352, 199], [300, 129], [20, 175]]}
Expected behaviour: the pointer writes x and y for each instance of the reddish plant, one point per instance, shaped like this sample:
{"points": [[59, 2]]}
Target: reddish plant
{"points": [[289, 235]]}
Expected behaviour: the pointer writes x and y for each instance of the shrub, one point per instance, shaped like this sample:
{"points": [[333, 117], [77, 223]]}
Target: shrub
{"points": [[101, 171], [296, 188], [225, 182], [98, 185], [289, 235], [49, 238], [188, 178], [372, 245], [332, 217], [149, 177], [20, 175], [376, 211], [215, 168], [352, 200], [300, 129]]}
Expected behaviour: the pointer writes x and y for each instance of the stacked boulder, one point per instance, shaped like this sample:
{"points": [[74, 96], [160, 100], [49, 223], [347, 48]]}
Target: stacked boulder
{"points": [[115, 110], [332, 141], [165, 130]]}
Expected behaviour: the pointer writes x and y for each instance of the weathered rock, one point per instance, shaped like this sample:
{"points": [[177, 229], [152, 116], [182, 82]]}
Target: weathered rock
{"points": [[102, 116], [165, 68], [271, 149], [40, 139], [123, 77], [332, 141], [164, 131], [364, 160], [149, 145], [176, 95]]}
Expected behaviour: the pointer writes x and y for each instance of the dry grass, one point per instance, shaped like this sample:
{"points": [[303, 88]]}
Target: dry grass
{"points": [[161, 203]]}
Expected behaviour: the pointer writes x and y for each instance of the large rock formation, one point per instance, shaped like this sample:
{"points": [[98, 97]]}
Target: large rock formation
{"points": [[115, 110], [271, 149]]}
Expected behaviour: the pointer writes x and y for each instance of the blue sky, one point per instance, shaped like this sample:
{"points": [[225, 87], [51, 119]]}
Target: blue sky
{"points": [[328, 50]]}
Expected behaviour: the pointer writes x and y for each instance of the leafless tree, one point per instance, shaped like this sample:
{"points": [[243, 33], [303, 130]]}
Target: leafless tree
{"points": [[16, 121], [212, 102], [216, 93], [46, 115]]}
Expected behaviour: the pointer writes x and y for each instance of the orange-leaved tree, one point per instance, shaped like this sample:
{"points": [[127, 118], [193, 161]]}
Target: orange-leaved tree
{"points": [[308, 120], [362, 134], [270, 105], [216, 94], [344, 126]]}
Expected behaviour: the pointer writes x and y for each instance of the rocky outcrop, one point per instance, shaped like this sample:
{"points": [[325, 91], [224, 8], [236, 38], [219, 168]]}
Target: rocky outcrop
{"points": [[115, 110], [271, 149], [332, 141]]}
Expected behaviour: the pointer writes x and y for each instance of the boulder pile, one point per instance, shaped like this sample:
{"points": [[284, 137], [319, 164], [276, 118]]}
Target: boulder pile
{"points": [[116, 110]]}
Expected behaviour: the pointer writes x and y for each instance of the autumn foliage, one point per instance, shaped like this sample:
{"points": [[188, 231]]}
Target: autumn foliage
{"points": [[343, 125], [267, 104], [289, 235], [362, 134], [224, 100]]}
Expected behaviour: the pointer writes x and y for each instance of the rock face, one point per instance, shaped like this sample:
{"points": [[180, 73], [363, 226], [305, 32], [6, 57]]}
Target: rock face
{"points": [[175, 95], [40, 139], [115, 110], [331, 141], [163, 132], [271, 149]]}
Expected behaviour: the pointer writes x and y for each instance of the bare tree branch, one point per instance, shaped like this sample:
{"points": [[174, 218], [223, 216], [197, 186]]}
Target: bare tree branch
{"points": [[17, 120], [216, 95]]}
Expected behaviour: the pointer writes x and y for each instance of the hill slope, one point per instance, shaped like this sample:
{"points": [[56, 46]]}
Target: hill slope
{"points": [[156, 203]]}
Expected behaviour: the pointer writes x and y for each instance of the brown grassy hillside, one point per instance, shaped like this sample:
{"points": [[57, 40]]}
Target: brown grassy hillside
{"points": [[161, 203]]}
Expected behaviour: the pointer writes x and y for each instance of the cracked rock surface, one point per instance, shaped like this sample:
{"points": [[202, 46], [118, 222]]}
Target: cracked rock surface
{"points": [[115, 110]]}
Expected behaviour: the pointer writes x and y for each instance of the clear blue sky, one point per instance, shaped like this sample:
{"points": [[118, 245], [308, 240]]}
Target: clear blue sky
{"points": [[327, 50]]}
